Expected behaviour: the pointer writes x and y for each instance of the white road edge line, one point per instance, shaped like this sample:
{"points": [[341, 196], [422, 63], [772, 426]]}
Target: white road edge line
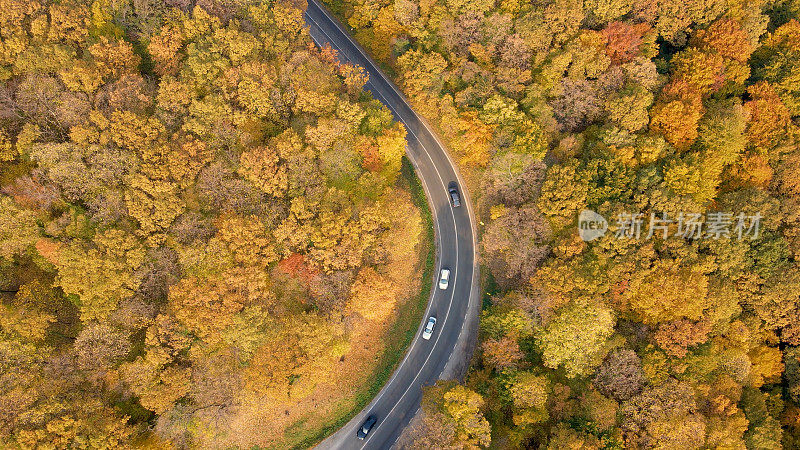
{"points": [[439, 233], [446, 316], [461, 183], [424, 122], [452, 291], [420, 118]]}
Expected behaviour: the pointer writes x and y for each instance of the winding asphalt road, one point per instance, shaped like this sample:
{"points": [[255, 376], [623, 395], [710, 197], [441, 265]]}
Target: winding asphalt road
{"points": [[457, 307]]}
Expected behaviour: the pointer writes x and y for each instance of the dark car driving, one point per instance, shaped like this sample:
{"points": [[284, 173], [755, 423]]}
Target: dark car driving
{"points": [[455, 197], [366, 427]]}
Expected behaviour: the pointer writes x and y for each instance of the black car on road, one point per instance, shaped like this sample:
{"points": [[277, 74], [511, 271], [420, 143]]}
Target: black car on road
{"points": [[366, 427], [455, 197]]}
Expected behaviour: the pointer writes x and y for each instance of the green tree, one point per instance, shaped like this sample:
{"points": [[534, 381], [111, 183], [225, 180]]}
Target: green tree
{"points": [[576, 337], [529, 395], [19, 228], [102, 275]]}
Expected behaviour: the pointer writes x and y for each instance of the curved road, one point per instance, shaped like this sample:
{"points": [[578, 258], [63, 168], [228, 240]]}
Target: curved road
{"points": [[457, 307]]}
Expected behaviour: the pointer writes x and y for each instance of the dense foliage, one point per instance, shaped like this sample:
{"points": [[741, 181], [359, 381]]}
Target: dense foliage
{"points": [[557, 106], [199, 215]]}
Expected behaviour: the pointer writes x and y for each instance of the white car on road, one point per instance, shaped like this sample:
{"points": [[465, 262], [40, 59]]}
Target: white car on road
{"points": [[428, 331], [444, 278]]}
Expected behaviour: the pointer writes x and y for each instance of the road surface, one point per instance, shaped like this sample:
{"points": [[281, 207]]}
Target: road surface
{"points": [[455, 308]]}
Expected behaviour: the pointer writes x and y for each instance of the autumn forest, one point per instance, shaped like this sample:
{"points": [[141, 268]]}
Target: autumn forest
{"points": [[209, 235], [201, 212]]}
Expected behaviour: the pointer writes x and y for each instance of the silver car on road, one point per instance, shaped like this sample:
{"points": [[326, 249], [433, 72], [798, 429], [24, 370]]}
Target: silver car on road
{"points": [[444, 278], [428, 331]]}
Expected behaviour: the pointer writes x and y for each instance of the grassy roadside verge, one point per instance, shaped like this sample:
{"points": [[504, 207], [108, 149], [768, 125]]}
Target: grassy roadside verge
{"points": [[408, 318]]}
